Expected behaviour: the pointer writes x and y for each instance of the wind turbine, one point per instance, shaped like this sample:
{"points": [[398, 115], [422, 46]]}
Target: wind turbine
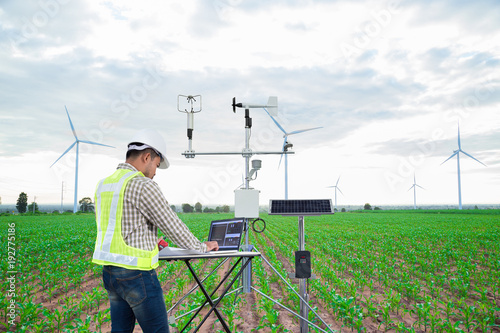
{"points": [[287, 145], [336, 187], [414, 187], [77, 143], [457, 153]]}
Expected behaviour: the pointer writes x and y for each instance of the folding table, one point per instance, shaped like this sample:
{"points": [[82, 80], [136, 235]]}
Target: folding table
{"points": [[188, 257]]}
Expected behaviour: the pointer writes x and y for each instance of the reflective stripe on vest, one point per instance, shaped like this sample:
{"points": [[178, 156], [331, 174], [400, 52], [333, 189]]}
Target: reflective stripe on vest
{"points": [[110, 248]]}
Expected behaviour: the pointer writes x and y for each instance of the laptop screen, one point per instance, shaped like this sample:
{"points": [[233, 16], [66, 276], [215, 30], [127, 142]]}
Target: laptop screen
{"points": [[227, 233]]}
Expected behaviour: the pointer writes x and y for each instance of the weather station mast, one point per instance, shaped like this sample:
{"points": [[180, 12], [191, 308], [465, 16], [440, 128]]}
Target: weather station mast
{"points": [[246, 205], [246, 198]]}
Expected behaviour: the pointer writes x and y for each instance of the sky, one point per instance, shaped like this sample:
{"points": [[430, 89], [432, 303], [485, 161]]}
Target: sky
{"points": [[389, 83]]}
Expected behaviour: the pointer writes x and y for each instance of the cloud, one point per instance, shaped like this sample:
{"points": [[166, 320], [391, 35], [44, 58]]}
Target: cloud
{"points": [[483, 146], [119, 66], [44, 25], [464, 13]]}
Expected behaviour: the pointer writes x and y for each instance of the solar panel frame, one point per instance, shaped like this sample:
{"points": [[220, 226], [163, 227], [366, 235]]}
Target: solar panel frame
{"points": [[300, 207]]}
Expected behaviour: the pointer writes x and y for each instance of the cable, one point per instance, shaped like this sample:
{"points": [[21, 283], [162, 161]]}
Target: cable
{"points": [[259, 230]]}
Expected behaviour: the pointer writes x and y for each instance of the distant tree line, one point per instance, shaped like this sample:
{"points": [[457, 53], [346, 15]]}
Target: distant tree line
{"points": [[369, 207], [22, 206], [198, 208]]}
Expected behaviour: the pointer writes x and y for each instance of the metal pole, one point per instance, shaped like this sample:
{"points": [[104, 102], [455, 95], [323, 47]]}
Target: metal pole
{"points": [[292, 289], [75, 200], [190, 126], [247, 273], [62, 196], [293, 313], [304, 311], [286, 177], [459, 185]]}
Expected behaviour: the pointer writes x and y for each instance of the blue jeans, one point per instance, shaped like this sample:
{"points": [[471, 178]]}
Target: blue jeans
{"points": [[135, 294]]}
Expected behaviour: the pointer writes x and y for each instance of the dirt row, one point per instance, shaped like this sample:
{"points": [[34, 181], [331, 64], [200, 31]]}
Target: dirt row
{"points": [[248, 312]]}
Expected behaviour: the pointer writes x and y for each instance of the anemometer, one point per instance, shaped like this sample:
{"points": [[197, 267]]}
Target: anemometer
{"points": [[190, 121]]}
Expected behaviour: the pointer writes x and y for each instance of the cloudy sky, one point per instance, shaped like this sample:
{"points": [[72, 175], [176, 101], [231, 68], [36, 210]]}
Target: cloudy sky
{"points": [[388, 81]]}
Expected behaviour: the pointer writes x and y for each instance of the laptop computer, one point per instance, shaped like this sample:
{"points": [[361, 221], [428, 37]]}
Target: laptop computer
{"points": [[227, 233]]}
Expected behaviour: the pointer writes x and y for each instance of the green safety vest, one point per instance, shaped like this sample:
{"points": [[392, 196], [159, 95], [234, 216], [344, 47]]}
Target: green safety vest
{"points": [[110, 248]]}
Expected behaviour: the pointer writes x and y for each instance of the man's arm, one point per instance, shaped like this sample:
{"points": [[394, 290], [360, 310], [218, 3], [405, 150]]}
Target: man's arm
{"points": [[160, 214]]}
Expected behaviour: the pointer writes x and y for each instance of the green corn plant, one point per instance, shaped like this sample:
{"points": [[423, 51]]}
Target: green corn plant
{"points": [[386, 317], [449, 308], [482, 292], [448, 326], [38, 326], [29, 311], [370, 306], [486, 316], [79, 325], [231, 315], [468, 312], [101, 317], [357, 319]]}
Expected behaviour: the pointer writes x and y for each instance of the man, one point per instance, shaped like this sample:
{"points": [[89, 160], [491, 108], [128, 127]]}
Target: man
{"points": [[130, 208]]}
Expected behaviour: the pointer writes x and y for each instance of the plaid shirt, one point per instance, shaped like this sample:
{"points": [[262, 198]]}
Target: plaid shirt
{"points": [[145, 209]]}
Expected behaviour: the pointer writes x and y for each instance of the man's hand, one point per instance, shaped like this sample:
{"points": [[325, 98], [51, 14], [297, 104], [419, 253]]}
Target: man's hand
{"points": [[212, 246]]}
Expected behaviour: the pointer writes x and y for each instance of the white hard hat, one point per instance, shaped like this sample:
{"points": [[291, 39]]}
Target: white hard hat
{"points": [[153, 139]]}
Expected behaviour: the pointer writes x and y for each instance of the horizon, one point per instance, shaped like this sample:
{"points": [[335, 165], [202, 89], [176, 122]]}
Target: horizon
{"points": [[69, 207]]}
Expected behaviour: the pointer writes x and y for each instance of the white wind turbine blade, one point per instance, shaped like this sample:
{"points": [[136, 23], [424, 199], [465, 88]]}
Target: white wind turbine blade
{"points": [[293, 132], [95, 143], [337, 183], [304, 130], [336, 188], [415, 185], [472, 157], [283, 148], [277, 124], [414, 182], [279, 164], [454, 153], [459, 145], [74, 143], [71, 123]]}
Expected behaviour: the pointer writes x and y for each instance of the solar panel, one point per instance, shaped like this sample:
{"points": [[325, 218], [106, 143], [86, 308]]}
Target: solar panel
{"points": [[300, 207]]}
